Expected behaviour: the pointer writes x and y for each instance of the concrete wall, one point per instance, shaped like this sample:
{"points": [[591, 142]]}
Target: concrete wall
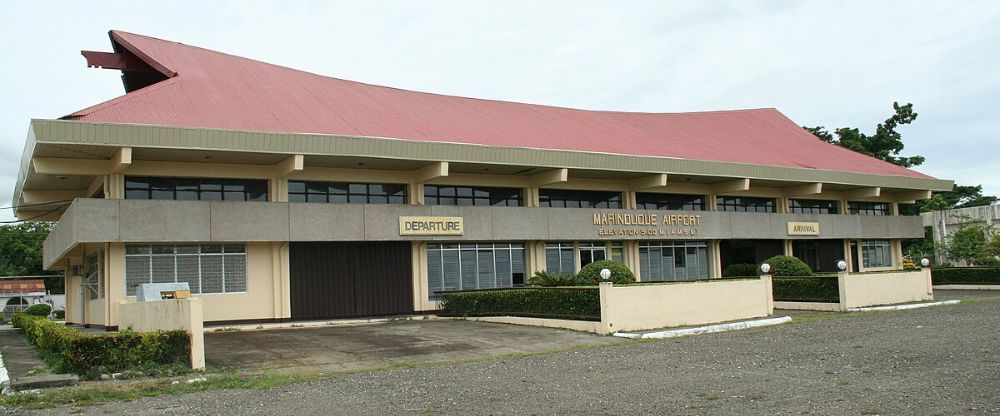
{"points": [[946, 222], [266, 297], [106, 220], [869, 289], [182, 314], [637, 308]]}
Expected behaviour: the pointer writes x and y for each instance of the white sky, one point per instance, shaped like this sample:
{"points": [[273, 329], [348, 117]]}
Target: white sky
{"points": [[830, 63]]}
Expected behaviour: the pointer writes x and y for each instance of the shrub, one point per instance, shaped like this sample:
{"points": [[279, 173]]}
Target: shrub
{"points": [[582, 303], [966, 275], [788, 266], [68, 350], [806, 289], [38, 309], [554, 279], [741, 270], [620, 274], [59, 314]]}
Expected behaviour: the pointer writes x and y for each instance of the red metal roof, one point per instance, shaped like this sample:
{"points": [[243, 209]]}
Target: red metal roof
{"points": [[21, 286], [209, 89]]}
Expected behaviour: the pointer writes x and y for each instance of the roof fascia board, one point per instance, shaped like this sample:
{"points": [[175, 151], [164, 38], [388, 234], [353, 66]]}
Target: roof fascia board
{"points": [[150, 136]]}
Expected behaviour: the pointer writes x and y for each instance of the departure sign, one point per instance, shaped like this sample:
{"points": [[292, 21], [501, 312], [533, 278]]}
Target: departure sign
{"points": [[431, 226]]}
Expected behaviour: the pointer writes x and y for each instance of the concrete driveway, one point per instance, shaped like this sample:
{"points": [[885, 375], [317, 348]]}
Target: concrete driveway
{"points": [[396, 343]]}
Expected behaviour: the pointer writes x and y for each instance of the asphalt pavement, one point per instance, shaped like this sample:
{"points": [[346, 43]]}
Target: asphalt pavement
{"points": [[934, 361]]}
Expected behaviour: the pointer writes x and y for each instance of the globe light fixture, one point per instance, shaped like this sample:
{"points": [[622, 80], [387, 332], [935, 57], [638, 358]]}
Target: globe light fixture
{"points": [[841, 265], [766, 268], [605, 274], [924, 262]]}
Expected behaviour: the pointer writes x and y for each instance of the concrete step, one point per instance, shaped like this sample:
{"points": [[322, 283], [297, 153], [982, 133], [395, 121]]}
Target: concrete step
{"points": [[44, 381]]}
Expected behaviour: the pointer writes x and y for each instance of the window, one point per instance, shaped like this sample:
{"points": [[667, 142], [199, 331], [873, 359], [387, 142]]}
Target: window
{"points": [[194, 189], [598, 250], [206, 268], [811, 206], [744, 204], [667, 261], [468, 195], [868, 208], [671, 202], [562, 198], [346, 193], [559, 257], [472, 266], [876, 253]]}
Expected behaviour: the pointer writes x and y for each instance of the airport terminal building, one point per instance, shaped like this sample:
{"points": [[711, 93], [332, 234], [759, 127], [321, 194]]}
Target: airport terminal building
{"points": [[278, 194]]}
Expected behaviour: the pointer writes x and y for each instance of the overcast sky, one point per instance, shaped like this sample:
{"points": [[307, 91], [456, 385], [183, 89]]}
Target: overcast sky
{"points": [[830, 63]]}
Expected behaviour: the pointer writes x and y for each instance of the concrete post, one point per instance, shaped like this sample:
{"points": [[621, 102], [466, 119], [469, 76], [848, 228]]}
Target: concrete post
{"points": [[930, 282], [606, 324], [768, 292], [842, 286]]}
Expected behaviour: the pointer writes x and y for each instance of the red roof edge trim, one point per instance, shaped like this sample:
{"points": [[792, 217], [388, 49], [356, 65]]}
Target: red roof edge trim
{"points": [[117, 38]]}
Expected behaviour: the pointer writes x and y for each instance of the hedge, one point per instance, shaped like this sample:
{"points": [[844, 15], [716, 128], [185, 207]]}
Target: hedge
{"points": [[806, 289], [741, 270], [580, 303], [966, 275], [89, 355]]}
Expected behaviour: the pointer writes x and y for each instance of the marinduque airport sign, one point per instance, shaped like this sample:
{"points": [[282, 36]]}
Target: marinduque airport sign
{"points": [[624, 225]]}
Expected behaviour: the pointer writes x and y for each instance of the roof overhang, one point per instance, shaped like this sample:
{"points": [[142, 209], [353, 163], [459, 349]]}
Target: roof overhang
{"points": [[102, 143]]}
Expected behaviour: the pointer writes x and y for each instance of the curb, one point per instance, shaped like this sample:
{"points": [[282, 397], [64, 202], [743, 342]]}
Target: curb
{"points": [[4, 377], [902, 307], [706, 329]]}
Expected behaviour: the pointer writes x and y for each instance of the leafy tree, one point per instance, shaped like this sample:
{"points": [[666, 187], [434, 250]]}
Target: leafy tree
{"points": [[884, 144], [969, 244], [21, 252]]}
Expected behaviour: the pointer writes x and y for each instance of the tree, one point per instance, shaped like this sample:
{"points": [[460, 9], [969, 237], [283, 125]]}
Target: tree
{"points": [[975, 244], [21, 252], [885, 144]]}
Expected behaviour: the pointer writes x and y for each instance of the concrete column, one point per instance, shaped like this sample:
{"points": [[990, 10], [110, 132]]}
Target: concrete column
{"points": [[114, 278], [632, 258], [531, 196], [715, 258], [278, 189], [280, 281], [415, 193], [789, 250], [768, 292], [842, 286], [628, 200], [114, 186], [418, 259]]}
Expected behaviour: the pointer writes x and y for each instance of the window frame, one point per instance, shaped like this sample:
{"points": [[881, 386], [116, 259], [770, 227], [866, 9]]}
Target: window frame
{"points": [[564, 198], [668, 202], [332, 192], [832, 209], [744, 203], [156, 188], [879, 209], [223, 251], [473, 195]]}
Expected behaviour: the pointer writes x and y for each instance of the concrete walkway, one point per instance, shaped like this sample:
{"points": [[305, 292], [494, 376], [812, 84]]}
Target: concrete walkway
{"points": [[20, 357], [350, 348]]}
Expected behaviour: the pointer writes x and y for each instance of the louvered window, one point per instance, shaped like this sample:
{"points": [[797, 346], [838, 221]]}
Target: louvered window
{"points": [[206, 268], [471, 266]]}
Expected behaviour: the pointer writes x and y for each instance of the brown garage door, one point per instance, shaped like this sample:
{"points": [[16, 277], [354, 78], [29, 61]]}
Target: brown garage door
{"points": [[352, 279]]}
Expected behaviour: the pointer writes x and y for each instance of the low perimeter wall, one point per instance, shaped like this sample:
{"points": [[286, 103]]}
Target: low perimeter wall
{"points": [[184, 314], [858, 290], [642, 307]]}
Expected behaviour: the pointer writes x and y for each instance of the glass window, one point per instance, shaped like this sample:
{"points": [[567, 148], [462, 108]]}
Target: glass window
{"points": [[744, 204], [811, 206], [559, 257], [564, 198], [207, 268], [876, 253], [346, 193], [470, 266], [671, 202], [193, 189], [869, 208], [469, 195], [661, 261]]}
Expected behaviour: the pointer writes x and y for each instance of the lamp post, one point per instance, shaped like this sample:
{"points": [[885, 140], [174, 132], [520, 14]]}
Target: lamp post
{"points": [[841, 265], [605, 274], [924, 262], [765, 268]]}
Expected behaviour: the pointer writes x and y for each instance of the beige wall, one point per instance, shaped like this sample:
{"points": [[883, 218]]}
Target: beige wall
{"points": [[637, 308], [266, 298], [182, 314], [869, 289]]}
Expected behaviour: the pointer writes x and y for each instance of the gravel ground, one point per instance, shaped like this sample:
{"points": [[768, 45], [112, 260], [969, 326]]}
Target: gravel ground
{"points": [[941, 360]]}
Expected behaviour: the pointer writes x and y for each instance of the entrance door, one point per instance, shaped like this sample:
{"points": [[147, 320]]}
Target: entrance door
{"points": [[350, 279]]}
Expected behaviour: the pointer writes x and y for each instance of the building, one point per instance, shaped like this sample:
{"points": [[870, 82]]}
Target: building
{"points": [[17, 295], [279, 194], [943, 223]]}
